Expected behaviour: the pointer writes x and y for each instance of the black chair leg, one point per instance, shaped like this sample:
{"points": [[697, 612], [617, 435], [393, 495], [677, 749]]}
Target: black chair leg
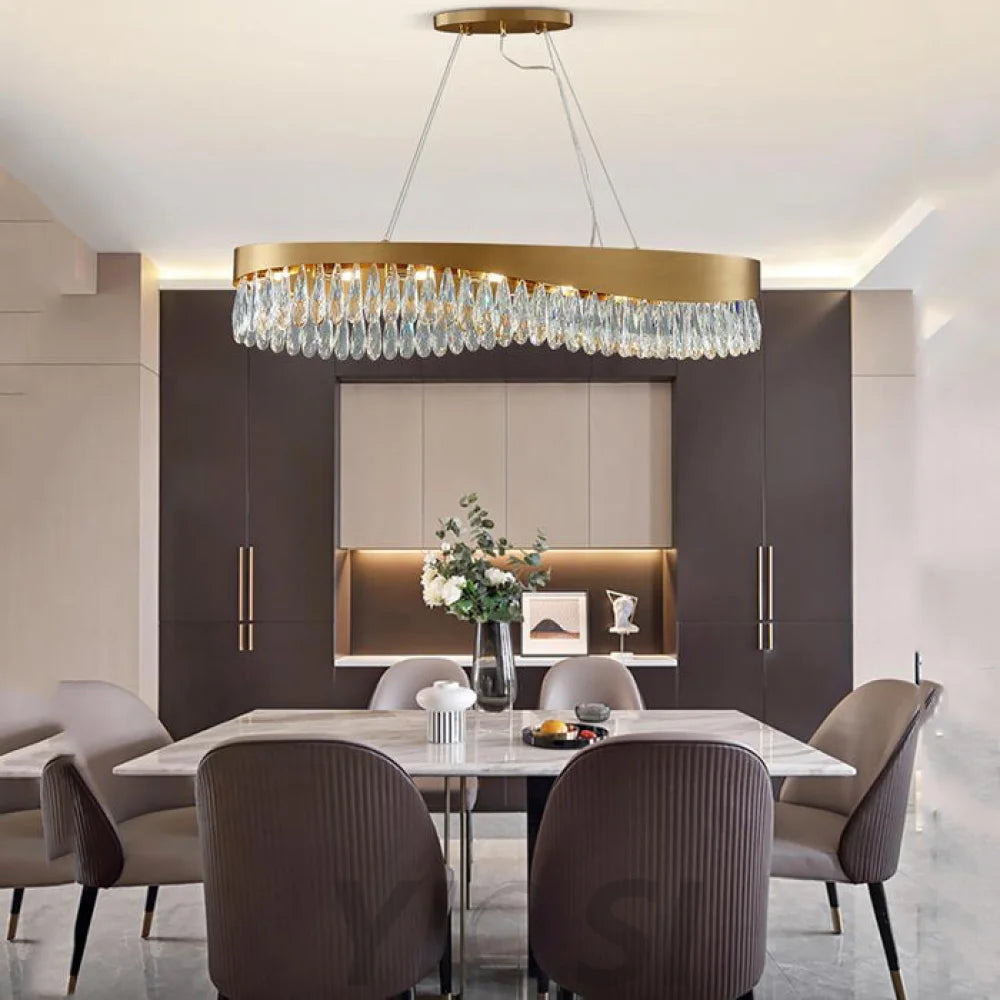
{"points": [[835, 918], [445, 966], [881, 907], [147, 913], [747, 996], [543, 983], [88, 897], [15, 913]]}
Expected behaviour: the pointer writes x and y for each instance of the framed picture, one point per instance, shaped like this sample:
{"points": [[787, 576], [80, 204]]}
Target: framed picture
{"points": [[555, 623]]}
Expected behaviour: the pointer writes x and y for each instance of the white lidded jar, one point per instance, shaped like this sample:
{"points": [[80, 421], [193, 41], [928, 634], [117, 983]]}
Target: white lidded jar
{"points": [[446, 703]]}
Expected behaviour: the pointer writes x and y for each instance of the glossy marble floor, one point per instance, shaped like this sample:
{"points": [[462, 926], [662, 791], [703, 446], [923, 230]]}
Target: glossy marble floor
{"points": [[944, 904]]}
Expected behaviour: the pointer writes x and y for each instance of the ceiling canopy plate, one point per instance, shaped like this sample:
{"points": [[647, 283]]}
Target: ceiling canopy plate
{"points": [[503, 20]]}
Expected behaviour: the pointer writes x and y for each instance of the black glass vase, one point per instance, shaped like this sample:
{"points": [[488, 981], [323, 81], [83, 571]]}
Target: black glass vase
{"points": [[494, 677]]}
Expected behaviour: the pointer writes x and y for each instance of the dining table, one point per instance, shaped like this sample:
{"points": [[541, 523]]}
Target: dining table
{"points": [[493, 747]]}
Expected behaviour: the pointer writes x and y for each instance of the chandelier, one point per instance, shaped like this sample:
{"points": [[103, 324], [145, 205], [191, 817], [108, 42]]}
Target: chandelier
{"points": [[393, 300]]}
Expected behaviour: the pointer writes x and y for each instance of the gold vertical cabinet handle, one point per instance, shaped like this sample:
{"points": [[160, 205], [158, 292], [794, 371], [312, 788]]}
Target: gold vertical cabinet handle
{"points": [[250, 599], [240, 597], [760, 635], [770, 583], [760, 583], [770, 636]]}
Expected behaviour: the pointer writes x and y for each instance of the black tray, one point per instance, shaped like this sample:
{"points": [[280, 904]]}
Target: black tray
{"points": [[561, 742]]}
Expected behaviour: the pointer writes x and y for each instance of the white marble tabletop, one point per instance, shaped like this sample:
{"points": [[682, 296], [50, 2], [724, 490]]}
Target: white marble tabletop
{"points": [[493, 744], [29, 761], [465, 659]]}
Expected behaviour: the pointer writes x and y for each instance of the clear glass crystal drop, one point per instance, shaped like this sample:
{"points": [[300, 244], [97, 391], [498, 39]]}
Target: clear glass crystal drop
{"points": [[354, 301], [317, 312], [357, 338], [390, 338], [390, 298], [441, 312], [407, 338], [466, 307], [606, 337], [573, 321], [300, 299], [426, 314], [734, 328], [660, 337], [704, 329], [373, 314], [240, 312], [720, 329], [409, 305], [538, 315], [520, 312], [342, 340], [556, 332], [482, 316], [264, 298], [335, 308], [324, 339], [503, 309], [448, 313], [647, 330], [631, 330], [281, 310], [590, 338], [753, 341]]}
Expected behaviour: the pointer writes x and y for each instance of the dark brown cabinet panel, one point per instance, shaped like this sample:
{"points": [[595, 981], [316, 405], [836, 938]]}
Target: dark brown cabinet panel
{"points": [[205, 680], [720, 667], [807, 673], [291, 476], [807, 389], [718, 488], [203, 446]]}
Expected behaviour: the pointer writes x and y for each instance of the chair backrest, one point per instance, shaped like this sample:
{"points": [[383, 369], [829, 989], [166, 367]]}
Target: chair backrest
{"points": [[74, 819], [323, 873], [106, 726], [397, 688], [25, 718], [874, 728], [651, 867], [580, 679]]}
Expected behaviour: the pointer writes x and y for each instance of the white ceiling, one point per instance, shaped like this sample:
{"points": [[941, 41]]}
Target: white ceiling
{"points": [[796, 131]]}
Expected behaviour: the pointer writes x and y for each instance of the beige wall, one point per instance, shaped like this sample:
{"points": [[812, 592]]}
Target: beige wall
{"points": [[79, 439], [884, 471]]}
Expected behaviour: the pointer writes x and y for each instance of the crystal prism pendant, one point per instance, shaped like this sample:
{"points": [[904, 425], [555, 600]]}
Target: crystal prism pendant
{"points": [[556, 330], [373, 314], [520, 313], [436, 313], [408, 308], [342, 340], [605, 325], [299, 311], [590, 325], [448, 313], [280, 311], [466, 307], [407, 338], [264, 298], [353, 306], [482, 315], [647, 330], [426, 314], [390, 338], [503, 323], [317, 313], [241, 312], [573, 320], [538, 316], [357, 338], [390, 299]]}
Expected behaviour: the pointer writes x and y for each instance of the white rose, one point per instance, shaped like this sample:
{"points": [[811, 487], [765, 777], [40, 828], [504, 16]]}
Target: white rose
{"points": [[479, 554], [498, 577], [451, 590], [432, 590], [446, 546]]}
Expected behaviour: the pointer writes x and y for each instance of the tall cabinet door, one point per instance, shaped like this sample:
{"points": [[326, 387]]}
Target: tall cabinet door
{"points": [[807, 373], [718, 488], [292, 433], [203, 458]]}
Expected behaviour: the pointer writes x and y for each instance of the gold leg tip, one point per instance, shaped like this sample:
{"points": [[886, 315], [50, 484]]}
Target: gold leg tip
{"points": [[71, 986], [897, 984], [147, 925], [838, 923], [12, 928]]}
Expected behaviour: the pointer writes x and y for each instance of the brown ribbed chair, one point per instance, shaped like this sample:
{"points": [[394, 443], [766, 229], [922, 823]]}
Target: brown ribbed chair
{"points": [[663, 892], [850, 830], [396, 691], [24, 863], [124, 831], [323, 873], [580, 679]]}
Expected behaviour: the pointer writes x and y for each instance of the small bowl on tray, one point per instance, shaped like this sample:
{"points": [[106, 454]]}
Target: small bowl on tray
{"points": [[576, 737]]}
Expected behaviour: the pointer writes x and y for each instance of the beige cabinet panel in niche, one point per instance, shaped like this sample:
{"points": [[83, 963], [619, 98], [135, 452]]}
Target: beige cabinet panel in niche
{"points": [[548, 463], [465, 436], [381, 466], [630, 465]]}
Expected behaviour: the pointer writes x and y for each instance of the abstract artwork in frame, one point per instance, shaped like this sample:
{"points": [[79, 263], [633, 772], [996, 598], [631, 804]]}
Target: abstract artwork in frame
{"points": [[555, 623]]}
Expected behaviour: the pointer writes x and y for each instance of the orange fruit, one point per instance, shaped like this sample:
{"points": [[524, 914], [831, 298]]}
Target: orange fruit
{"points": [[553, 727]]}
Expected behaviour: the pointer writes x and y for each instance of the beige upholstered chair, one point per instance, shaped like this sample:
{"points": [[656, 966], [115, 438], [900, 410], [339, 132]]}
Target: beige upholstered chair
{"points": [[24, 862], [849, 830], [123, 831], [397, 690], [323, 873], [664, 893], [580, 679]]}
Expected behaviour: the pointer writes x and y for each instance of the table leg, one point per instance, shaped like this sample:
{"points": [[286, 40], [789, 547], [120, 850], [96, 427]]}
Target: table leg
{"points": [[537, 790], [463, 885], [447, 820]]}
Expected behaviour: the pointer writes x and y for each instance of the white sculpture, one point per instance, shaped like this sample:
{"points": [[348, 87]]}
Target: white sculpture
{"points": [[623, 607]]}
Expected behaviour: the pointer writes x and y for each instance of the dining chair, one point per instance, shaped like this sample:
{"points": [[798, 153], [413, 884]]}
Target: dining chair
{"points": [[125, 831], [580, 679], [323, 873], [25, 718], [397, 690], [650, 873], [850, 830]]}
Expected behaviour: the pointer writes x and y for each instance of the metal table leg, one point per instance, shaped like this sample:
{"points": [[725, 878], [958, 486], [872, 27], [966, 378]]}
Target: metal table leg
{"points": [[463, 886], [447, 819]]}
